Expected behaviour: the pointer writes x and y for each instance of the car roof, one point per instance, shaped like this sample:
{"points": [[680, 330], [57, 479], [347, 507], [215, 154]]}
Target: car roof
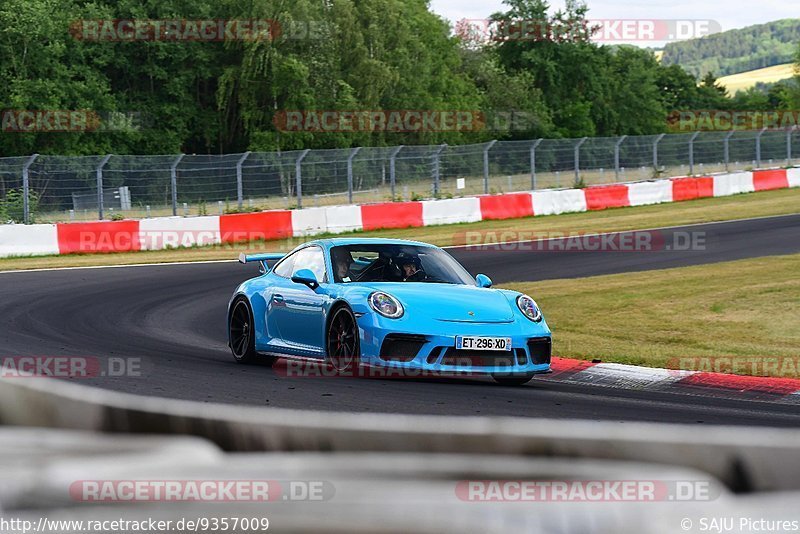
{"points": [[339, 241]]}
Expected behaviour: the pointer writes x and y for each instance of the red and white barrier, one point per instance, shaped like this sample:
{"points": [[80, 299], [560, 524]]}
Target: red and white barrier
{"points": [[793, 176], [603, 197], [310, 221], [644, 193], [558, 201], [508, 206], [172, 232], [391, 215], [771, 179], [94, 237], [343, 219], [456, 210], [733, 184], [28, 240], [692, 188], [265, 225]]}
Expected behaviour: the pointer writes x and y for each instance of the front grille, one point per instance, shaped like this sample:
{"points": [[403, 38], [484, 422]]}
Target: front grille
{"points": [[434, 355], [401, 347], [480, 358], [540, 349]]}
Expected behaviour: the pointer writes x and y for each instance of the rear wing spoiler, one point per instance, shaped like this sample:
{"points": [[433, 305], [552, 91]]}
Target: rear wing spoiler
{"points": [[263, 258]]}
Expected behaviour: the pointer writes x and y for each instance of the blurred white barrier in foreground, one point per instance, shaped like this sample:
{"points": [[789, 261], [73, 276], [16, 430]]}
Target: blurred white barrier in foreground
{"points": [[365, 492], [741, 458]]}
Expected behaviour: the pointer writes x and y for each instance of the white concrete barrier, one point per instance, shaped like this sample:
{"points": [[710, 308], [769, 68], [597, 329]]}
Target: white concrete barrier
{"points": [[794, 177], [27, 240], [655, 192], [450, 211], [173, 232], [343, 218], [733, 183], [553, 202], [309, 221]]}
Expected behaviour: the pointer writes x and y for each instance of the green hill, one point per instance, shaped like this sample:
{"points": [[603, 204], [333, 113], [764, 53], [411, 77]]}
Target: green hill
{"points": [[735, 51]]}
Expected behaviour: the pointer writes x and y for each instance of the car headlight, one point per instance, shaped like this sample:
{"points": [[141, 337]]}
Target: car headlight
{"points": [[386, 305], [529, 308]]}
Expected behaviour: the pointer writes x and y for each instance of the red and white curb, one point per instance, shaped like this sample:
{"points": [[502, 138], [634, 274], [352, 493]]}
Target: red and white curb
{"points": [[171, 232], [703, 383]]}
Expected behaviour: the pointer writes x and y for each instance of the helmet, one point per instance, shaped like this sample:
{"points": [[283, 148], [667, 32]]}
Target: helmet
{"points": [[408, 259]]}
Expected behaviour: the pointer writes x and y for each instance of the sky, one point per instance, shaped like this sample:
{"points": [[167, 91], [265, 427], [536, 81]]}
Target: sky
{"points": [[728, 14]]}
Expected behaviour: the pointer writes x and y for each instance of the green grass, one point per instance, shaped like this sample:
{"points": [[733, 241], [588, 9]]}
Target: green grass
{"points": [[695, 317], [780, 202]]}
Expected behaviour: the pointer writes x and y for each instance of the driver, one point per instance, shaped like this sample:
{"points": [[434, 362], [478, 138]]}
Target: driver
{"points": [[343, 263], [412, 270]]}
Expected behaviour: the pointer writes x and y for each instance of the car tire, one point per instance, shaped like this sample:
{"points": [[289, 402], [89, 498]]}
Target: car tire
{"points": [[241, 334], [342, 341], [512, 379]]}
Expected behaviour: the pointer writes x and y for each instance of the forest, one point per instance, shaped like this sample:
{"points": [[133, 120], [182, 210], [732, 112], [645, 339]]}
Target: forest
{"points": [[201, 96], [735, 51]]}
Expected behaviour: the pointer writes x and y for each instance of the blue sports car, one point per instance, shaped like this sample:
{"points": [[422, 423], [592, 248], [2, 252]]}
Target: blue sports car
{"points": [[400, 305]]}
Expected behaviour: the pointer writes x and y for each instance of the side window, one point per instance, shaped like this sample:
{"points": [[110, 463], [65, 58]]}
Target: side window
{"points": [[313, 259], [285, 267]]}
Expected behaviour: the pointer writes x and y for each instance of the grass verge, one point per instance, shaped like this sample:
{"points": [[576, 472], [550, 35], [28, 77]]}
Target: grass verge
{"points": [[740, 316], [780, 202]]}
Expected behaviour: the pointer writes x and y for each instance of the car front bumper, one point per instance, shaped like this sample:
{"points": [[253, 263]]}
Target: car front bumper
{"points": [[437, 353]]}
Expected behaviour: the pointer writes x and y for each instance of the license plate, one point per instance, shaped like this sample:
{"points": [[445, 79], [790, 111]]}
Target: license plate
{"points": [[483, 343]]}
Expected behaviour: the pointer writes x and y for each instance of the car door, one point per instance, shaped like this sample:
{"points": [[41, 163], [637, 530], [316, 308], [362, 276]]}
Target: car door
{"points": [[298, 311]]}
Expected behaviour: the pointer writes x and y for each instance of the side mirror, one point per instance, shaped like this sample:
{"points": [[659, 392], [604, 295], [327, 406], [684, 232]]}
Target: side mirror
{"points": [[306, 277], [483, 280]]}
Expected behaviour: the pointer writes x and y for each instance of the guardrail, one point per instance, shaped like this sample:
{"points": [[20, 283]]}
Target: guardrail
{"points": [[743, 459]]}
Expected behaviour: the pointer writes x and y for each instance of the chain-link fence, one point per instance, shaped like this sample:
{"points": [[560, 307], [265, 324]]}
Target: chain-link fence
{"points": [[63, 188]]}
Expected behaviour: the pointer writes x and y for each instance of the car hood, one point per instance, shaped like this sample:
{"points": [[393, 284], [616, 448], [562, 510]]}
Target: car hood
{"points": [[451, 302]]}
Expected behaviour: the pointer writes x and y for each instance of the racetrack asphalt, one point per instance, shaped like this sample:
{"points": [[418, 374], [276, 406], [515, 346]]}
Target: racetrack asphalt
{"points": [[172, 318]]}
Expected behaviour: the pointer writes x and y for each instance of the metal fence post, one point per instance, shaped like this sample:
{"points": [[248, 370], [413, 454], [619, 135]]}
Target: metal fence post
{"points": [[239, 187], [728, 149], [100, 185], [578, 159], [655, 151], [486, 150], [392, 176], [758, 147], [298, 177], [173, 177], [26, 190], [436, 169], [691, 153], [533, 163], [789, 132], [616, 156], [353, 153]]}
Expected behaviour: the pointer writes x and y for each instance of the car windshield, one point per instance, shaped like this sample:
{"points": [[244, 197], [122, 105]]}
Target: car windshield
{"points": [[396, 263]]}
